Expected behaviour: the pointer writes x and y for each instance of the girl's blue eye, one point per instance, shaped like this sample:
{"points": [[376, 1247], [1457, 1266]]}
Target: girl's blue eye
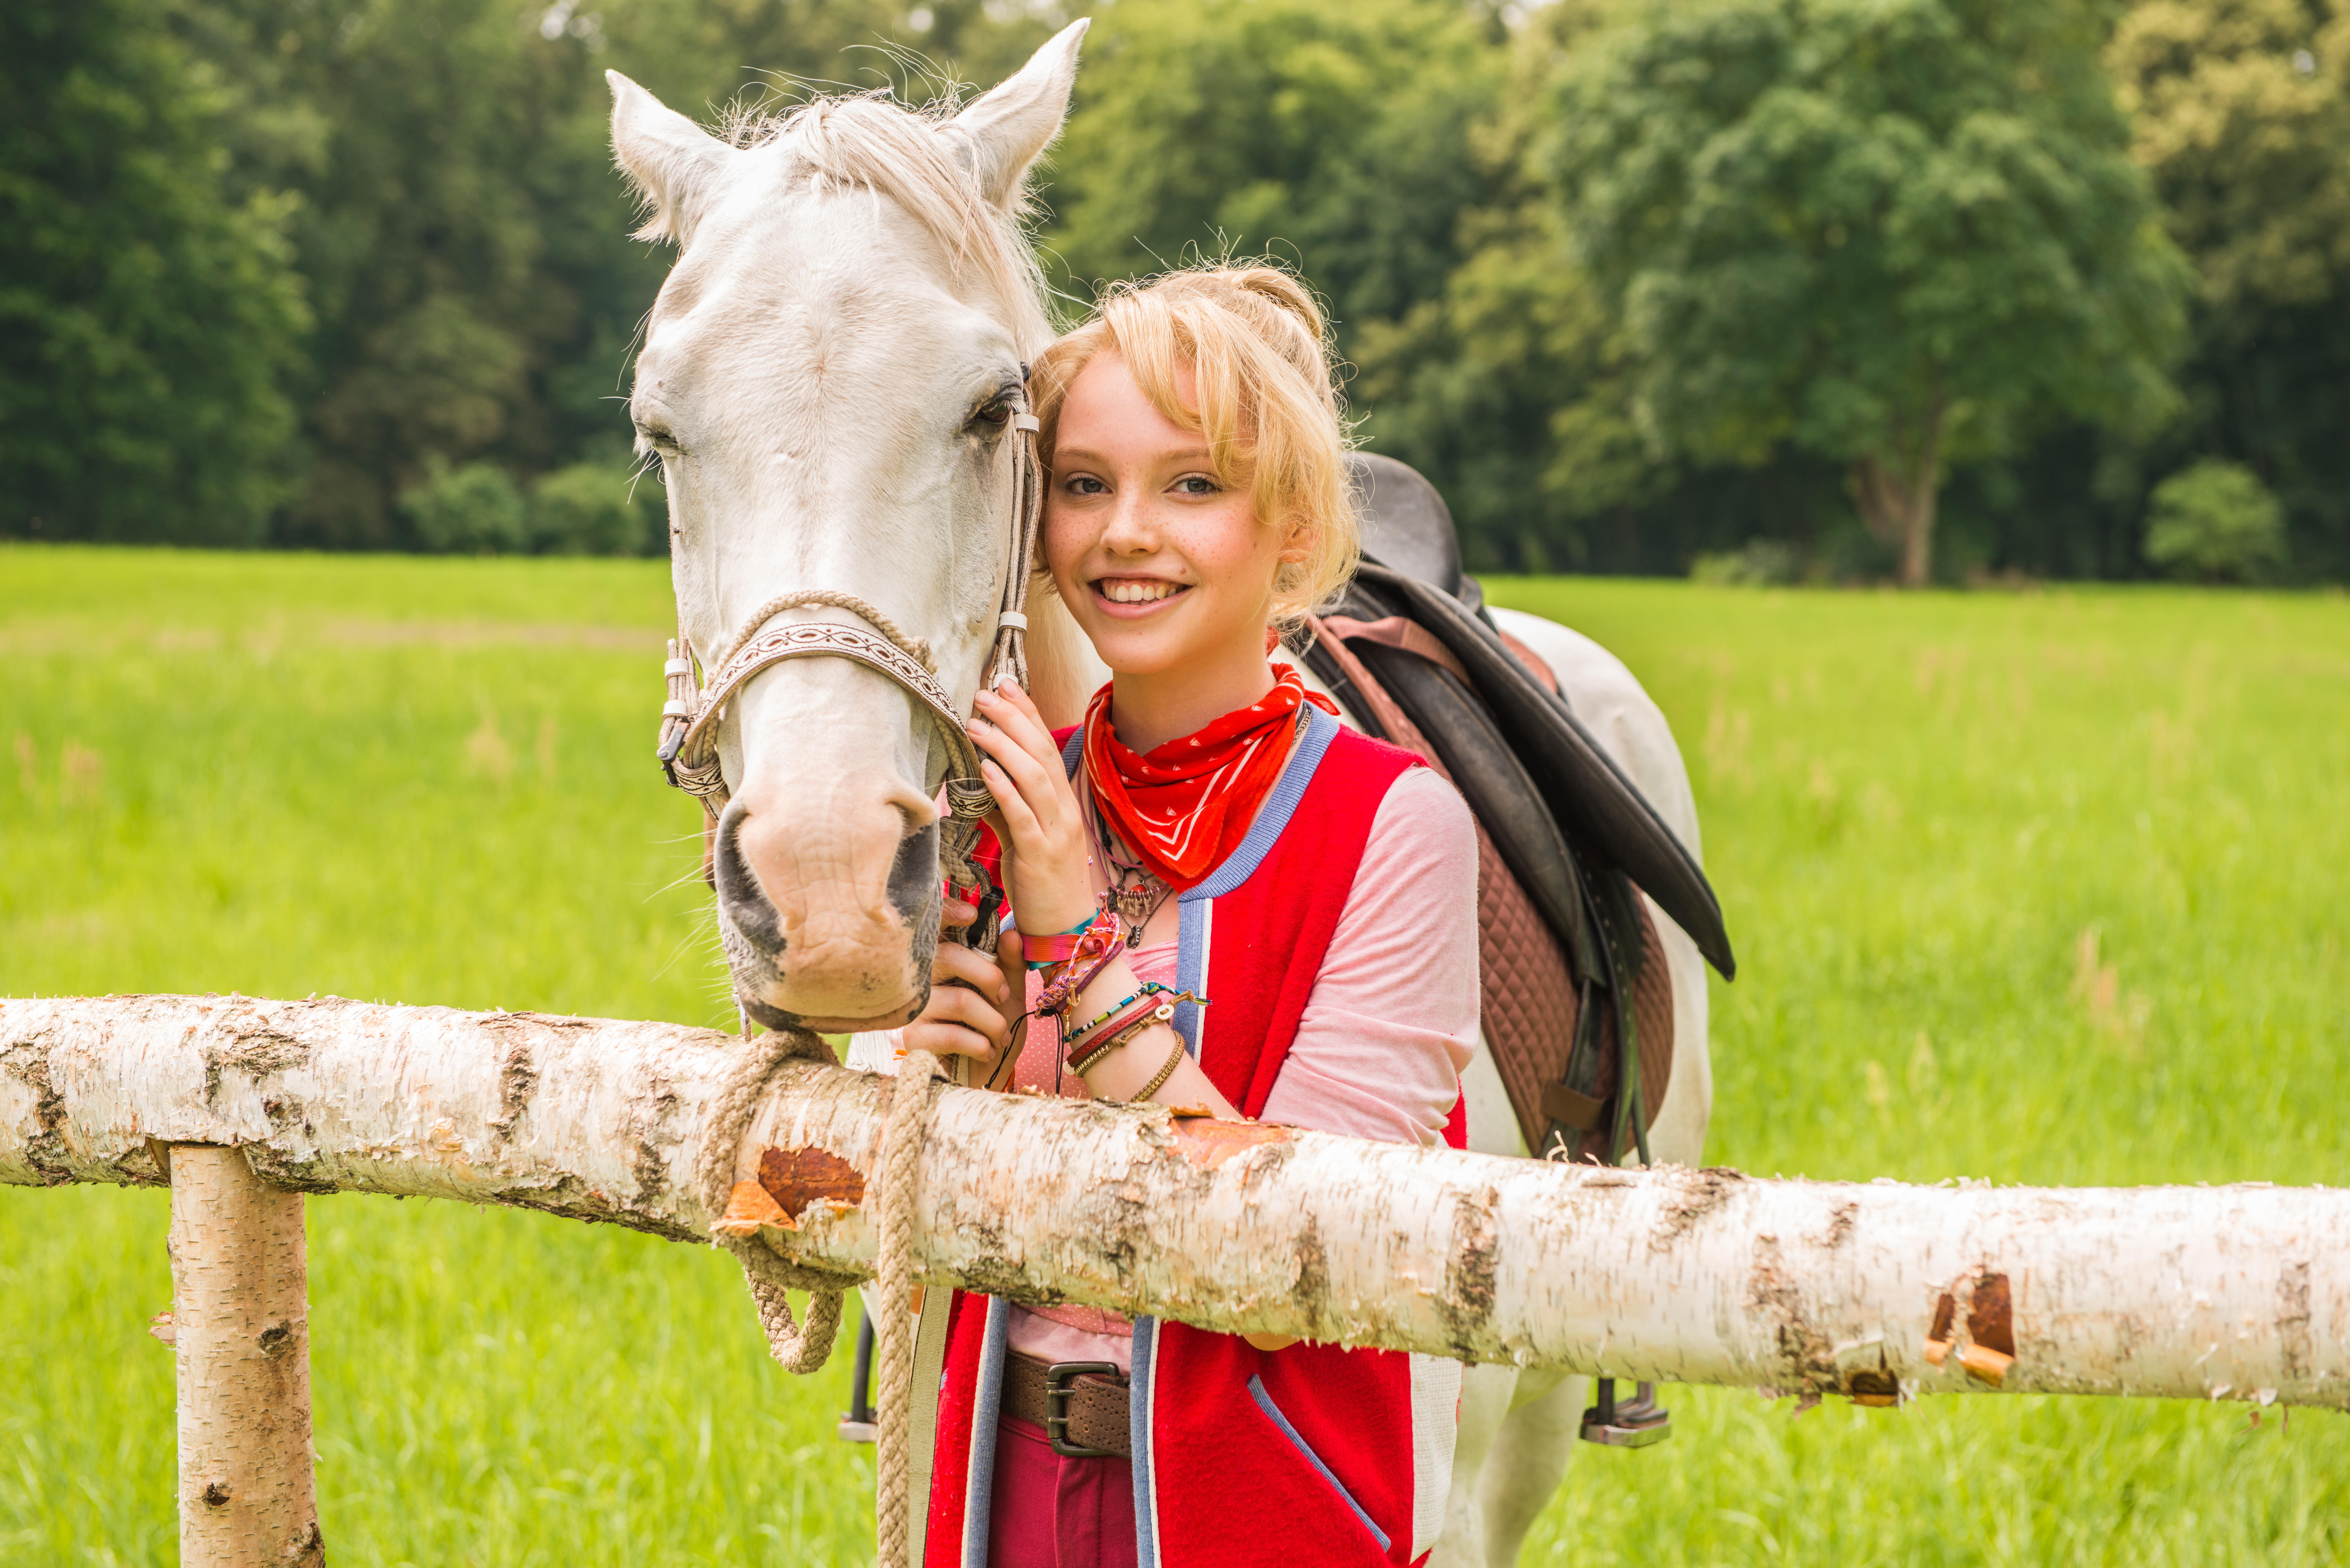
{"points": [[1082, 486], [1196, 484]]}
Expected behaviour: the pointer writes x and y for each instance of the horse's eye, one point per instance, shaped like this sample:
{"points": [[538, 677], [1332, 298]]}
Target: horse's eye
{"points": [[995, 413]]}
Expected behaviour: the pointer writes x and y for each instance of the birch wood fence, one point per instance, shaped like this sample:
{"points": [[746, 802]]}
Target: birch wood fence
{"points": [[1879, 1291]]}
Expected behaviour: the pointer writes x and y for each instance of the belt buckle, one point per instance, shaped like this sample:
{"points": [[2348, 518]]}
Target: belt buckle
{"points": [[1058, 1380]]}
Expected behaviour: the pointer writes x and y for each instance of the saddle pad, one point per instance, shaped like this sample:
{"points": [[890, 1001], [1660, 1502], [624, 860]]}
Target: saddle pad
{"points": [[1527, 989]]}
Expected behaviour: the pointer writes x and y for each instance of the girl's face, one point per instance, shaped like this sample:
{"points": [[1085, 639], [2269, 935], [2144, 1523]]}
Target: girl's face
{"points": [[1163, 566]]}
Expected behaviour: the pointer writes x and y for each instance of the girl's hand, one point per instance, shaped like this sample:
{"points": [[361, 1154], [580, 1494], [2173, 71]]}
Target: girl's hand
{"points": [[972, 1018], [1043, 827]]}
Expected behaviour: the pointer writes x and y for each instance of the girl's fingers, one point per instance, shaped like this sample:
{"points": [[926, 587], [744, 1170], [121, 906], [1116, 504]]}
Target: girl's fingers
{"points": [[997, 740], [959, 1004], [1042, 783], [956, 961], [1010, 803], [949, 1040], [1011, 711]]}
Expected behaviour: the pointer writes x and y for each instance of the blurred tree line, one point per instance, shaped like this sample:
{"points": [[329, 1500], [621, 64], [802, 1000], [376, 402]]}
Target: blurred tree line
{"points": [[1852, 288]]}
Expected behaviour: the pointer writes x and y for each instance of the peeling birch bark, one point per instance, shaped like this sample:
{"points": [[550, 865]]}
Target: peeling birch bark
{"points": [[1876, 1290], [241, 1332]]}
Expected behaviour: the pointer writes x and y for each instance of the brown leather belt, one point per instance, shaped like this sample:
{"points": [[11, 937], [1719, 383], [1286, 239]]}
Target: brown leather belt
{"points": [[1081, 1405]]}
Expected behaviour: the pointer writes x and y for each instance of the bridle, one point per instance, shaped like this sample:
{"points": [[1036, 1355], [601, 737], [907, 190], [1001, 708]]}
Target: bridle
{"points": [[691, 718]]}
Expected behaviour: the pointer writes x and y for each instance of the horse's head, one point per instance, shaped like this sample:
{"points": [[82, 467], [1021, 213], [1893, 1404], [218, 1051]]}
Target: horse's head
{"points": [[828, 377]]}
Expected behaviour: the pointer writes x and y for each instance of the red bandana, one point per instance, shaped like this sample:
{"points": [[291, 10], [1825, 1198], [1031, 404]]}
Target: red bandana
{"points": [[1186, 806]]}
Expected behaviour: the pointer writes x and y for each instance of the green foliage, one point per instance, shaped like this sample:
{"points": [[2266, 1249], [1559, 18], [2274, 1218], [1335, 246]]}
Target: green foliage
{"points": [[1889, 234], [1332, 131], [1633, 280], [2215, 522], [1508, 388], [1761, 564], [2241, 114], [475, 510], [149, 315], [2036, 887], [598, 509]]}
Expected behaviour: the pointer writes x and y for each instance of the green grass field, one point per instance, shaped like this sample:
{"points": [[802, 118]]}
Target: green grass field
{"points": [[2046, 888]]}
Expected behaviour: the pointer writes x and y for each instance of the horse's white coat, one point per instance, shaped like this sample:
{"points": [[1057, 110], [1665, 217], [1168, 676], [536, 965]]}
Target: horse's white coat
{"points": [[852, 295], [840, 309]]}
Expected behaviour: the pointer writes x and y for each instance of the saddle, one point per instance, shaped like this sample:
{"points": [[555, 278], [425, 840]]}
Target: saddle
{"points": [[1565, 839]]}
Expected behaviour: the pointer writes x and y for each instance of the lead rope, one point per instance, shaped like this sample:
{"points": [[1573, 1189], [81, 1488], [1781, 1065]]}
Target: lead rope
{"points": [[803, 1347], [894, 1319], [912, 1095]]}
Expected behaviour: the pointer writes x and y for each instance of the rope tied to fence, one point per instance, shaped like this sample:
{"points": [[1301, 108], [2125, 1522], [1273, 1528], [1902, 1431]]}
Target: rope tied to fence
{"points": [[802, 1346], [798, 1348]]}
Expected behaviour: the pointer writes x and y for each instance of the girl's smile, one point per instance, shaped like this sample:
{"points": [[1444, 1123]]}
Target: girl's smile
{"points": [[1130, 598]]}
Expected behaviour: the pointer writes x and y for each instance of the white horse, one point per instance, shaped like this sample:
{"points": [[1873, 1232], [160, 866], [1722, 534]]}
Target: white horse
{"points": [[823, 380]]}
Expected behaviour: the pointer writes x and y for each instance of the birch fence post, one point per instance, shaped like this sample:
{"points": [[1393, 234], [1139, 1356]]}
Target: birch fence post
{"points": [[241, 1333]]}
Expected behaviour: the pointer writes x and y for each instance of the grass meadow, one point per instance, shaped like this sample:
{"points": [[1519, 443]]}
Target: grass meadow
{"points": [[2036, 887]]}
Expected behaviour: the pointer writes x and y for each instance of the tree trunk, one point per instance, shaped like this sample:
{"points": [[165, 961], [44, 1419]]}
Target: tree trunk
{"points": [[1900, 510], [1878, 1290], [1896, 490], [241, 1329]]}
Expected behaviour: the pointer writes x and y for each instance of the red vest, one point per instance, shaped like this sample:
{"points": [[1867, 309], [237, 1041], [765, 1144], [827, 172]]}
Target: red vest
{"points": [[1241, 1458]]}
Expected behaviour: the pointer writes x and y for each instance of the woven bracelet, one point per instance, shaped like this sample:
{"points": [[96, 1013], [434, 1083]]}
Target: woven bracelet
{"points": [[1166, 1071]]}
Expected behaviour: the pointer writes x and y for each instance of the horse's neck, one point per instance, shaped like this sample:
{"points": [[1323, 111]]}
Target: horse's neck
{"points": [[1063, 671]]}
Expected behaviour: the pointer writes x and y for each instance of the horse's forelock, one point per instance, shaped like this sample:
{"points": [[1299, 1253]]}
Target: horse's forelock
{"points": [[848, 141]]}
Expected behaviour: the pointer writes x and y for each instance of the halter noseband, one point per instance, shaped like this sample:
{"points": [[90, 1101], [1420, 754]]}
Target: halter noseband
{"points": [[690, 719]]}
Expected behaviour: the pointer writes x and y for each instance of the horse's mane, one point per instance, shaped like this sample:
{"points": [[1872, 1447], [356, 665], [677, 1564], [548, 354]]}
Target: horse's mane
{"points": [[848, 141]]}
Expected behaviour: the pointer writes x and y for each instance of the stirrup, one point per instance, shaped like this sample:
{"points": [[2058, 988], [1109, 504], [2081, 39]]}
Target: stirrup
{"points": [[1633, 1425]]}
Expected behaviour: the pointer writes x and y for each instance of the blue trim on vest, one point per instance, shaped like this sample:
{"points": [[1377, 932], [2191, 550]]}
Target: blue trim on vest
{"points": [[1318, 730], [979, 1487], [1272, 1413], [1141, 1389], [1194, 925]]}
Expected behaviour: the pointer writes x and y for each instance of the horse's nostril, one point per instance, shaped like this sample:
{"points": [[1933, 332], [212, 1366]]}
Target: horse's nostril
{"points": [[914, 875], [746, 901]]}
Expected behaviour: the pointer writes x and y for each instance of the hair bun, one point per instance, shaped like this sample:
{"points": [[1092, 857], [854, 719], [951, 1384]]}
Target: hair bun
{"points": [[1273, 284]]}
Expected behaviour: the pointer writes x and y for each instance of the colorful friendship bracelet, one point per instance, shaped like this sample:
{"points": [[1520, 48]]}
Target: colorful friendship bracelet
{"points": [[1127, 1033], [1043, 953], [1081, 1043], [1149, 988], [1096, 951]]}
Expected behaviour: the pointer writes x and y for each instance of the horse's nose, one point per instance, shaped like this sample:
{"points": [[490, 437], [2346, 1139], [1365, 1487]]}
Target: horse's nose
{"points": [[828, 897]]}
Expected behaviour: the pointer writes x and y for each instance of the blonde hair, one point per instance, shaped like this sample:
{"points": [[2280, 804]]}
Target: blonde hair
{"points": [[1258, 350]]}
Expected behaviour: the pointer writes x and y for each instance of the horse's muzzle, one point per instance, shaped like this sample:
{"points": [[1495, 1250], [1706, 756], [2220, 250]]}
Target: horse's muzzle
{"points": [[826, 929]]}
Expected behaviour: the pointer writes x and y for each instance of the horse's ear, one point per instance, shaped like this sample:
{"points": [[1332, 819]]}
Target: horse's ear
{"points": [[672, 163], [1007, 130]]}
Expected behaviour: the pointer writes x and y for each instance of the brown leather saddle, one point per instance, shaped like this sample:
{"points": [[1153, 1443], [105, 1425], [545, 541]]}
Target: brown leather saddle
{"points": [[1565, 839]]}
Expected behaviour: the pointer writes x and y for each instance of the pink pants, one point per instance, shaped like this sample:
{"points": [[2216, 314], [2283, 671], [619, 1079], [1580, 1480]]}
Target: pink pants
{"points": [[1046, 1511]]}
